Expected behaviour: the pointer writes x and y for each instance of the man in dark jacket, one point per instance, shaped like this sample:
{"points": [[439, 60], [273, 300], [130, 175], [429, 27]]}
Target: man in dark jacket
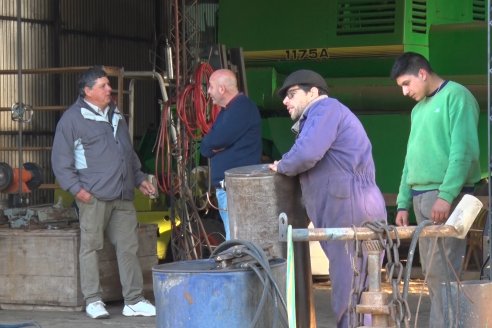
{"points": [[93, 158], [235, 137], [333, 157]]}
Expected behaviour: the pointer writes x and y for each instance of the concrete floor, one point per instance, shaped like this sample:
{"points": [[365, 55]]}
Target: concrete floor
{"points": [[45, 319], [418, 298]]}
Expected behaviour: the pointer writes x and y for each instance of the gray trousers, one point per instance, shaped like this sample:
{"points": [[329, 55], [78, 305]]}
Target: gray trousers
{"points": [[117, 221], [434, 266]]}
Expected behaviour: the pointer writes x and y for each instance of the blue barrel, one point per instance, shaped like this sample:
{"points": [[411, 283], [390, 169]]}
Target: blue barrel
{"points": [[192, 294]]}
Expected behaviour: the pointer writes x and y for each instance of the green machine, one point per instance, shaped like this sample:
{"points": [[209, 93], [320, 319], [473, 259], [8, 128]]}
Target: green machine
{"points": [[353, 44]]}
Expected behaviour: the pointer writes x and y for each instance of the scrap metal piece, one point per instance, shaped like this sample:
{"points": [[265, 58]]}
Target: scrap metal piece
{"points": [[19, 218], [464, 215], [53, 214], [44, 217]]}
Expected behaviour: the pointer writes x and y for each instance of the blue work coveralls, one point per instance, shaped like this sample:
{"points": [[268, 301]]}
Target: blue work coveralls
{"points": [[332, 155]]}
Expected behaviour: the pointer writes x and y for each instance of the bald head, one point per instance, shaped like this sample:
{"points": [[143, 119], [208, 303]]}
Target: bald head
{"points": [[222, 86], [225, 78]]}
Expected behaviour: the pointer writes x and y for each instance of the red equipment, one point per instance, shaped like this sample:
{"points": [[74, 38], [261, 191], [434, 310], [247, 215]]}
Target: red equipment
{"points": [[18, 180]]}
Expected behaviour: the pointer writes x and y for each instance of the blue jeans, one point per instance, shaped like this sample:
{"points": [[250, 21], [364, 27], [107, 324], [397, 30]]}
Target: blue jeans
{"points": [[222, 203]]}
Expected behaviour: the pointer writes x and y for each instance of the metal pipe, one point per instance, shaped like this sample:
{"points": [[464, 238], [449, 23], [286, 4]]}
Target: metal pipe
{"points": [[363, 233], [131, 108], [131, 89], [19, 91], [169, 61], [52, 70], [177, 45], [374, 301], [155, 75], [25, 148], [119, 73], [38, 108], [110, 70]]}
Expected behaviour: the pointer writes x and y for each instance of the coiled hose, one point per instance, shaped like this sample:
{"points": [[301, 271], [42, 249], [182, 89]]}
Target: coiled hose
{"points": [[408, 266], [262, 269], [411, 253]]}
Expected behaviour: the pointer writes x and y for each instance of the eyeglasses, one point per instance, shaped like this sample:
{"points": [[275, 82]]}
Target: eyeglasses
{"points": [[292, 92]]}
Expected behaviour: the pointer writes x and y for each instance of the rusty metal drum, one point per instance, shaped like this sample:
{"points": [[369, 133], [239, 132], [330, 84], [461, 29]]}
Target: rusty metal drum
{"points": [[255, 197]]}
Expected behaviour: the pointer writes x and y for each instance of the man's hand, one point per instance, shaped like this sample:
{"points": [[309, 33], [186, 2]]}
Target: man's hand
{"points": [[402, 218], [273, 166], [147, 188], [440, 211], [84, 196]]}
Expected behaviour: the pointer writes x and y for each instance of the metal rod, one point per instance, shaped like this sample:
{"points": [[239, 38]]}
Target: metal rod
{"points": [[38, 108], [368, 234], [19, 92], [110, 70], [25, 148], [150, 74], [131, 108]]}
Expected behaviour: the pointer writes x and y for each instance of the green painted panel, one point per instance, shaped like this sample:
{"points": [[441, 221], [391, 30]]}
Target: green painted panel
{"points": [[279, 24], [459, 48], [388, 134]]}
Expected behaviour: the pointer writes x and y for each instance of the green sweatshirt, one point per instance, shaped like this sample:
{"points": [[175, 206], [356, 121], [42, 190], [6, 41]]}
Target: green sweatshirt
{"points": [[442, 150]]}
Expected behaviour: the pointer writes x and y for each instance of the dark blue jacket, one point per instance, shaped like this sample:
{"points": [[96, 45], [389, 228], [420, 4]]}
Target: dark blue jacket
{"points": [[237, 134]]}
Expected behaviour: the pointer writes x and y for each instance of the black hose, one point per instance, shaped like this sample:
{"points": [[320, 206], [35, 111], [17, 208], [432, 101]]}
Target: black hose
{"points": [[411, 253], [447, 318], [261, 304], [482, 268], [266, 277], [260, 256]]}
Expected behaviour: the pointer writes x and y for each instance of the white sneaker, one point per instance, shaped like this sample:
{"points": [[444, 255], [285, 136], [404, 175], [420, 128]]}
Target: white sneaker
{"points": [[142, 308], [97, 310]]}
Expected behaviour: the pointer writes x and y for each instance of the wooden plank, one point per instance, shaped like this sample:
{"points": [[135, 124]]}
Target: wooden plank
{"points": [[40, 290]]}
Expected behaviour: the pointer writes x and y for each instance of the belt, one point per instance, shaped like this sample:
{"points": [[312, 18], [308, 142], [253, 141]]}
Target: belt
{"points": [[465, 190]]}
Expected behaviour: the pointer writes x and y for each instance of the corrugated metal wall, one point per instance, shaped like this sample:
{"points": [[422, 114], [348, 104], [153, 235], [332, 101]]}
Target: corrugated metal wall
{"points": [[68, 33]]}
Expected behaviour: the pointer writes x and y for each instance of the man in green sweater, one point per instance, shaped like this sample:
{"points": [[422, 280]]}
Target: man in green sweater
{"points": [[441, 164]]}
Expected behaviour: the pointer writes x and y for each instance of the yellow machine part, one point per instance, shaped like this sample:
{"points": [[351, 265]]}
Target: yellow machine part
{"points": [[148, 212]]}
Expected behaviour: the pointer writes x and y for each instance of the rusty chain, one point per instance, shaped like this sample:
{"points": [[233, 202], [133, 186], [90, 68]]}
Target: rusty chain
{"points": [[399, 311]]}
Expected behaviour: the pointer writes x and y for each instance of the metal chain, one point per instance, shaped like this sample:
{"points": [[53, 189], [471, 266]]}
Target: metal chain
{"points": [[400, 311]]}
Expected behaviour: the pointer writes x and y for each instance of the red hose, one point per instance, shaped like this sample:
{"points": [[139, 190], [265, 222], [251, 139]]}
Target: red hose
{"points": [[195, 108], [196, 114]]}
